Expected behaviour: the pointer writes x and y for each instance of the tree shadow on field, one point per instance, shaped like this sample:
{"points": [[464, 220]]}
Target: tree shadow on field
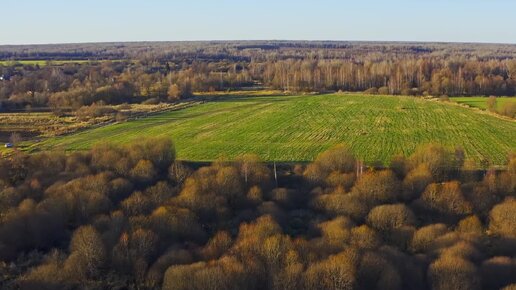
{"points": [[247, 98], [215, 111]]}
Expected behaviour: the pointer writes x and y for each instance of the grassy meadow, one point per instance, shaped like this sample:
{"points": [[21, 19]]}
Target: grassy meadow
{"points": [[481, 102], [297, 128]]}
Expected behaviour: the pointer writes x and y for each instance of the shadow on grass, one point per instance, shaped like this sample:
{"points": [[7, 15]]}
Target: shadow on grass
{"points": [[247, 98]]}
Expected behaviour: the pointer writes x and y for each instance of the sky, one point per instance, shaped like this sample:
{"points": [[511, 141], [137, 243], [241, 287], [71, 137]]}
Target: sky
{"points": [[71, 21]]}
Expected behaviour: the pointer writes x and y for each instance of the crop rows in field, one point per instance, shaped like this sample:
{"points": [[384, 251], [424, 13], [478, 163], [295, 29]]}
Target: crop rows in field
{"points": [[297, 128]]}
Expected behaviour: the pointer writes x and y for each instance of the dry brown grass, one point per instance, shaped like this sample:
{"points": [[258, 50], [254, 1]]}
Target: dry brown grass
{"points": [[33, 126]]}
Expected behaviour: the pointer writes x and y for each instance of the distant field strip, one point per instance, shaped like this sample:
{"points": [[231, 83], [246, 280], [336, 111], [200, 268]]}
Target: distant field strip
{"points": [[297, 128], [481, 102]]}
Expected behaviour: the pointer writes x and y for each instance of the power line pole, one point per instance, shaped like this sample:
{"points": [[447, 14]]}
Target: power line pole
{"points": [[275, 174]]}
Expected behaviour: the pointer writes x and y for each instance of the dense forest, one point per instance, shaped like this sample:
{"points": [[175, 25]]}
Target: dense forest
{"points": [[134, 217], [166, 71]]}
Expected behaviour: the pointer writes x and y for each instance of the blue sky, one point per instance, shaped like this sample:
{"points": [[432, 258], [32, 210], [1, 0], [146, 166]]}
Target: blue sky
{"points": [[58, 21]]}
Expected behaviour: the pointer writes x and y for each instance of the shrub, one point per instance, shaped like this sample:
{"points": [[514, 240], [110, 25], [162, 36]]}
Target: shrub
{"points": [[383, 91], [336, 159], [471, 225], [336, 272], [178, 172], [371, 91], [342, 180], [94, 111], [151, 101], [47, 276], [481, 198], [415, 182], [502, 219], [341, 204], [217, 246], [175, 224], [87, 252], [253, 171], [171, 257], [390, 217], [143, 172], [364, 237], [137, 204], [491, 103], [508, 109], [203, 275], [444, 98], [211, 190], [158, 150], [454, 273], [255, 195], [439, 160], [83, 197], [462, 249], [337, 232], [375, 188], [445, 198], [506, 181], [375, 272], [425, 236]]}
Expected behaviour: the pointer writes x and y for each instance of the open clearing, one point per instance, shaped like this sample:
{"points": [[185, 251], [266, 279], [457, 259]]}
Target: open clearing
{"points": [[481, 102], [297, 128]]}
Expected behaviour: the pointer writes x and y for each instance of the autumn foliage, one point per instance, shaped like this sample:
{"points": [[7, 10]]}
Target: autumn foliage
{"points": [[134, 217]]}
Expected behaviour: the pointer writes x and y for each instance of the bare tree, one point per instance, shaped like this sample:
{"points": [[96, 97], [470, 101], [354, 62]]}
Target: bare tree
{"points": [[491, 103], [15, 138]]}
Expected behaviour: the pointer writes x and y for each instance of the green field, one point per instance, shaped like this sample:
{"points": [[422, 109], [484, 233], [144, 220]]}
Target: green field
{"points": [[297, 128], [481, 102]]}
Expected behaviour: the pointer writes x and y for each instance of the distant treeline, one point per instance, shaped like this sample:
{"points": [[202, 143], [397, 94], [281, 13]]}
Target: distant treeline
{"points": [[132, 217], [167, 71]]}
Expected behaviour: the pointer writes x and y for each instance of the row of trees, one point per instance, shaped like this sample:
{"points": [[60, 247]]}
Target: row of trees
{"points": [[134, 217], [167, 76], [74, 86], [407, 76]]}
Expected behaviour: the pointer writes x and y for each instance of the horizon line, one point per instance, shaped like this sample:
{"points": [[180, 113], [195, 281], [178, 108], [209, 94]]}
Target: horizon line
{"points": [[263, 40]]}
